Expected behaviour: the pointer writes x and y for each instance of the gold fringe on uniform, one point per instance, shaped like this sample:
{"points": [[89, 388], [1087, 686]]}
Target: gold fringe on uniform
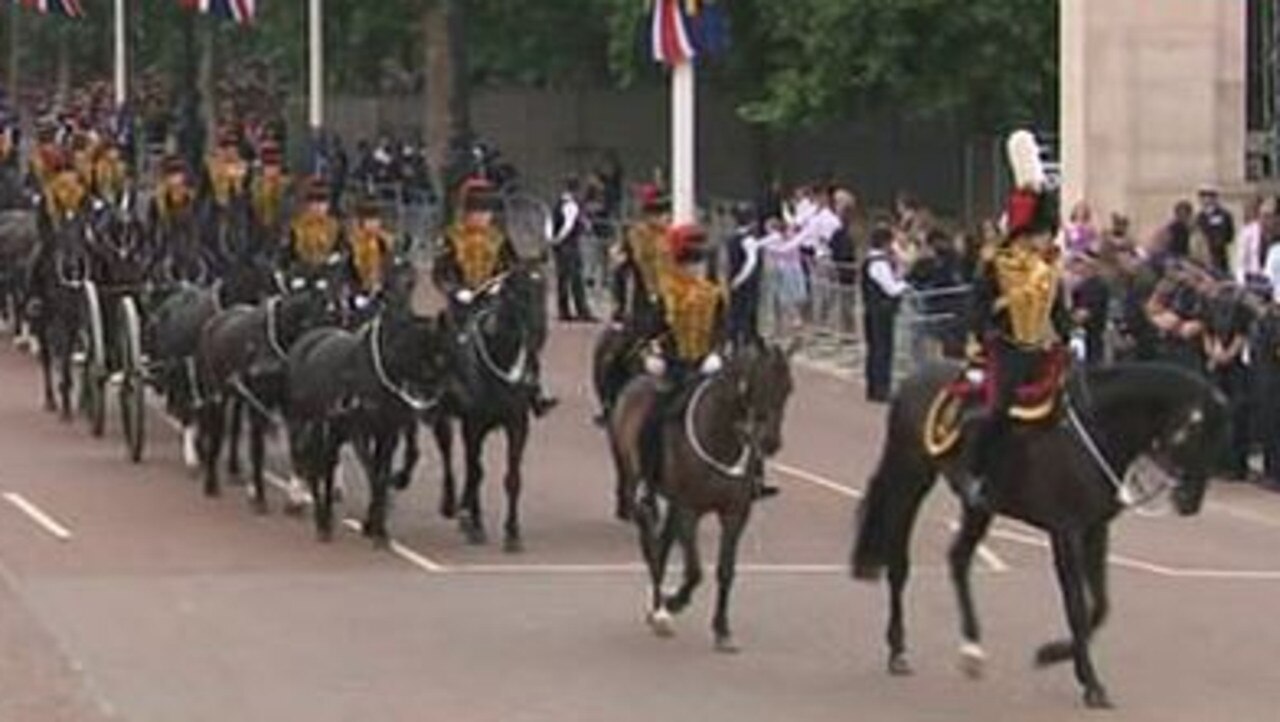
{"points": [[476, 249], [368, 249], [315, 237], [692, 305]]}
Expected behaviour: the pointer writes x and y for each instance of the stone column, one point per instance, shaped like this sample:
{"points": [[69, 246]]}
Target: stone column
{"points": [[1152, 103]]}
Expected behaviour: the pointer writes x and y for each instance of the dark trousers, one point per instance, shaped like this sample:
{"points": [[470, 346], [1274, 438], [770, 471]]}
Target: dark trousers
{"points": [[1233, 382], [571, 292], [1268, 420], [878, 327], [744, 307], [1010, 368]]}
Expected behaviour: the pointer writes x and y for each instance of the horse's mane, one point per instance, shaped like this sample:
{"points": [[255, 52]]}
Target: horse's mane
{"points": [[1164, 384]]}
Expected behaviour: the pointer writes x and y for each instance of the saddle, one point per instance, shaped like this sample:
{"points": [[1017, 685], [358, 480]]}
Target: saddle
{"points": [[1036, 401]]}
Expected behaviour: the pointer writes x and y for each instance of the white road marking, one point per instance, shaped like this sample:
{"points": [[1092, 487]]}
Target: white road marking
{"points": [[989, 557], [39, 516], [400, 550], [1256, 517]]}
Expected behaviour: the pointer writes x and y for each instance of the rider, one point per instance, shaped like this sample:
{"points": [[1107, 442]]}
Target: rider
{"points": [[268, 192], [47, 158], [641, 262], [225, 170], [1018, 318], [174, 197], [314, 235], [474, 254], [369, 247], [108, 172]]}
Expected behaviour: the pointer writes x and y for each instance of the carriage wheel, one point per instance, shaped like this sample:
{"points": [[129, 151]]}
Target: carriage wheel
{"points": [[94, 372], [132, 386]]}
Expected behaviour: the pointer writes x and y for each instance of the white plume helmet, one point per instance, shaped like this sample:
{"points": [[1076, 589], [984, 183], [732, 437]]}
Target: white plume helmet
{"points": [[1024, 160]]}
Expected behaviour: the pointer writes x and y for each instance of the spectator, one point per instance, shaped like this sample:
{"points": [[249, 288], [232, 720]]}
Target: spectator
{"points": [[937, 276], [1175, 238], [1265, 361], [786, 277], [1090, 300], [1218, 227], [1250, 252], [568, 224], [611, 180], [843, 259], [882, 290], [745, 269], [1226, 333], [1081, 234]]}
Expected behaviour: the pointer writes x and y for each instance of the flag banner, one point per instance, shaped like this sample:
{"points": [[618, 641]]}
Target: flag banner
{"points": [[66, 8], [241, 12], [681, 30]]}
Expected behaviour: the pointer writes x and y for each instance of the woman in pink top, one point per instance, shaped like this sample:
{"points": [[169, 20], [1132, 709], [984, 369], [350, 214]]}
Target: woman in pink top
{"points": [[1081, 235]]}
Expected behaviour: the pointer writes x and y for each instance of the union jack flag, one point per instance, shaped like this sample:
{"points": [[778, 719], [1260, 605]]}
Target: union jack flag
{"points": [[241, 11], [68, 8], [681, 30]]}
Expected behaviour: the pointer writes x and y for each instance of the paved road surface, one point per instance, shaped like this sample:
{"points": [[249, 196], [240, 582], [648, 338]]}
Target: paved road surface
{"points": [[162, 606]]}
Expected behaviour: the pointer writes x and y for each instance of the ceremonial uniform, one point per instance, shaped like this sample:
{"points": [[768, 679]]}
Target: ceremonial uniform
{"points": [[474, 252], [369, 248], [268, 192], [314, 234], [226, 173], [108, 173], [1018, 316], [641, 260], [175, 199], [693, 306]]}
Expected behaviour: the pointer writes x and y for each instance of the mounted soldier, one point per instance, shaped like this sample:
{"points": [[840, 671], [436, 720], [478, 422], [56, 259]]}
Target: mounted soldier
{"points": [[315, 235], [641, 259], [268, 193], [1019, 320], [108, 173], [475, 255], [370, 246], [223, 213], [173, 220]]}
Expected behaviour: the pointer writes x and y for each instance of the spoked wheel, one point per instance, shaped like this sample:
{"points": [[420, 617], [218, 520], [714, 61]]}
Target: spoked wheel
{"points": [[132, 389], [93, 373]]}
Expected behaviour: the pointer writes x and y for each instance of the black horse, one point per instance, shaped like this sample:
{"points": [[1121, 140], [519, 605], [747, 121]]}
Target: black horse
{"points": [[715, 441], [496, 347], [364, 387], [57, 306], [19, 240], [172, 335], [1063, 478], [240, 361]]}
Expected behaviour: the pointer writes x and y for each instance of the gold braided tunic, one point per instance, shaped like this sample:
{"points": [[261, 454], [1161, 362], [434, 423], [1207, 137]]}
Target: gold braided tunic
{"points": [[477, 250], [268, 196], [692, 306], [174, 197], [315, 236], [82, 161], [226, 176], [45, 163], [369, 245], [1027, 275], [65, 194], [645, 242], [109, 173]]}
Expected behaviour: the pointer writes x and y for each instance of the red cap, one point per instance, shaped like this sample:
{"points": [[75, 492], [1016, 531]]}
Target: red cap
{"points": [[174, 164], [317, 190], [651, 199], [686, 241], [475, 194]]}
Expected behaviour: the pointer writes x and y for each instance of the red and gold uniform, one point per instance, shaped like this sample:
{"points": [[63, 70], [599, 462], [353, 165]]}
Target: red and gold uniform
{"points": [[175, 198], [314, 234], [370, 244], [269, 189], [693, 305], [226, 170], [475, 249]]}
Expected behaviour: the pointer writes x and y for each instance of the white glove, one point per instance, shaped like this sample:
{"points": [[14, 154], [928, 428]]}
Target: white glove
{"points": [[655, 365], [1077, 345], [711, 364], [362, 302], [975, 376], [465, 296]]}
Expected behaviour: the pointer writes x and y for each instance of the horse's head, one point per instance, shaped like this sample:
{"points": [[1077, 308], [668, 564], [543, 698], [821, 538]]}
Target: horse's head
{"points": [[308, 302], [1190, 446], [763, 377]]}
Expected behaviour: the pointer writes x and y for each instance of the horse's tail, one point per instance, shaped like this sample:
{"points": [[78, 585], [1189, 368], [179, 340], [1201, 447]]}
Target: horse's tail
{"points": [[900, 482]]}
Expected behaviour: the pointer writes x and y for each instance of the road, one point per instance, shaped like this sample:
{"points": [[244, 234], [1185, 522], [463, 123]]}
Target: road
{"points": [[124, 594]]}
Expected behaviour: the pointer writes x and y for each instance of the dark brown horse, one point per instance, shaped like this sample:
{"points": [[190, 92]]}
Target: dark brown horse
{"points": [[714, 443], [1064, 478]]}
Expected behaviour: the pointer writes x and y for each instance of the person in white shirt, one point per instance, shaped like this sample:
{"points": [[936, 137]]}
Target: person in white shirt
{"points": [[566, 244], [1249, 250], [882, 291]]}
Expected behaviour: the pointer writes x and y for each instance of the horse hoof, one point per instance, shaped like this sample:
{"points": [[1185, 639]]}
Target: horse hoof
{"points": [[973, 660], [1053, 653], [512, 545], [725, 645], [472, 530], [899, 666], [1097, 698], [662, 623]]}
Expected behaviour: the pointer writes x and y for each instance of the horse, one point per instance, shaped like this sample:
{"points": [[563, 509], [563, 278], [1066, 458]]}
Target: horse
{"points": [[715, 439], [1063, 478], [617, 358], [497, 343], [57, 306], [172, 336], [364, 387], [19, 239], [241, 358]]}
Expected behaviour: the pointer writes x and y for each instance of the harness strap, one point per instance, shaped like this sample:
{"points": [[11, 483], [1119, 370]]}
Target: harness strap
{"points": [[1123, 492], [740, 468], [511, 376], [273, 338], [375, 353]]}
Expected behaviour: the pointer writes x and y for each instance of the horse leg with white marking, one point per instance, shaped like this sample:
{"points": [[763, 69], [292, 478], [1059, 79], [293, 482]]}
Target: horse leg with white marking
{"points": [[684, 527], [973, 527], [378, 471], [655, 547], [517, 437], [210, 428]]}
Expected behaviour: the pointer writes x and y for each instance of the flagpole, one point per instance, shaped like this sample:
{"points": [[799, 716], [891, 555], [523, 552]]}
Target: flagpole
{"points": [[684, 130], [121, 50], [316, 45]]}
